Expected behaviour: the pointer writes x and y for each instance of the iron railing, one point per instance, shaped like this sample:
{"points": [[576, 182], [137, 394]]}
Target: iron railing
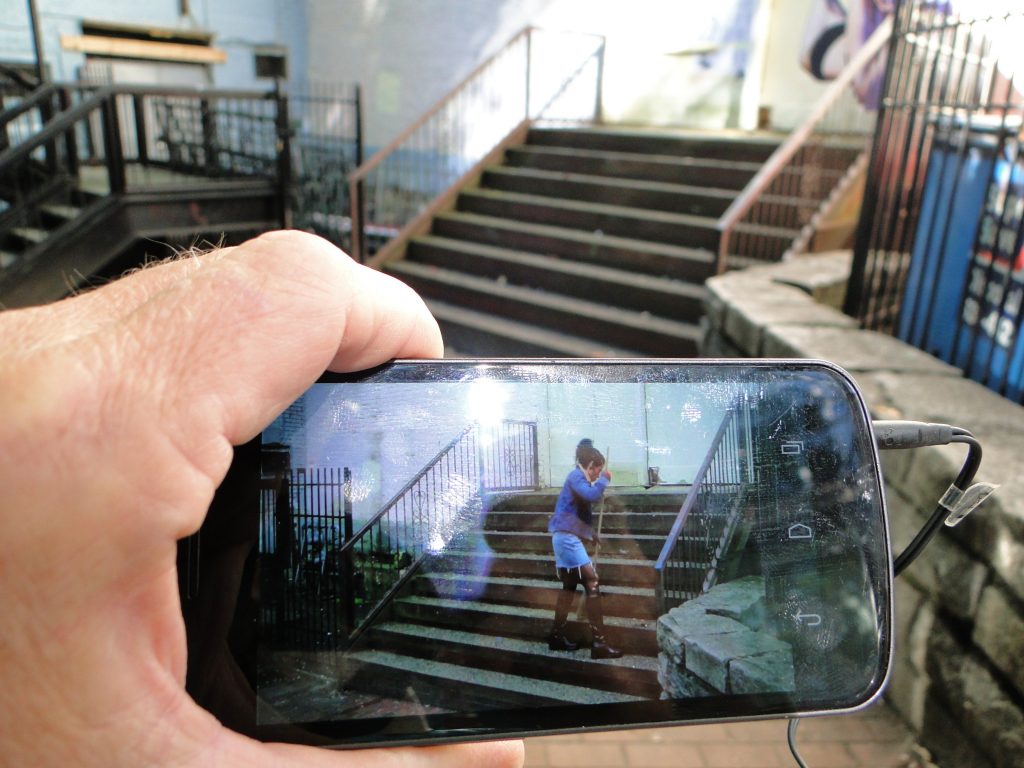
{"points": [[779, 209], [690, 559], [937, 259], [325, 583], [536, 75]]}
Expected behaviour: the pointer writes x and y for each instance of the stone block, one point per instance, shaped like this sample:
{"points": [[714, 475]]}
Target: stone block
{"points": [[708, 655], [742, 600], [908, 691], [676, 682], [821, 275], [999, 632], [767, 673], [949, 742], [852, 349], [982, 707], [914, 617]]}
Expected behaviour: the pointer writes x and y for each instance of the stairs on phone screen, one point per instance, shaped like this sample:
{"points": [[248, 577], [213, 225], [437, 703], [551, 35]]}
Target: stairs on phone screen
{"points": [[584, 243], [470, 629]]}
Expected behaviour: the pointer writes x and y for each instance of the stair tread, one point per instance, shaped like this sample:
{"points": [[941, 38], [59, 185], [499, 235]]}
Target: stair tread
{"points": [[629, 280], [488, 679], [534, 583], [546, 558], [61, 211], [615, 181], [682, 162], [499, 643], [683, 136], [498, 609], [650, 246], [629, 318], [563, 344], [666, 217], [32, 234]]}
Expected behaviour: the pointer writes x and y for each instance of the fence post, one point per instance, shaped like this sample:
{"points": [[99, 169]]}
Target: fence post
{"points": [[284, 157], [71, 137], [209, 130], [139, 103], [112, 144], [348, 572]]}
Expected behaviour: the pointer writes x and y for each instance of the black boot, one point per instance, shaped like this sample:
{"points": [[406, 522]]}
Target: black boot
{"points": [[557, 641], [599, 648]]}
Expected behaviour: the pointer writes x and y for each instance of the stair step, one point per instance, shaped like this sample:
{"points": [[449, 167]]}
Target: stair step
{"points": [[725, 174], [7, 259], [659, 226], [741, 147], [59, 214], [634, 636], [631, 193], [633, 545], [461, 689], [658, 295], [635, 572], [634, 675], [644, 256], [477, 334], [30, 235], [612, 522], [611, 326], [636, 602]]}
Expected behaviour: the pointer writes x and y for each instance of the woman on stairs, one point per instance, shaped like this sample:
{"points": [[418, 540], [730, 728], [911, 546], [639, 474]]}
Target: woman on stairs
{"points": [[570, 524]]}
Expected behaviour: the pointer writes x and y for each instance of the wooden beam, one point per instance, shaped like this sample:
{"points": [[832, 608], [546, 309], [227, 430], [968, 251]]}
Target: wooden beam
{"points": [[142, 49]]}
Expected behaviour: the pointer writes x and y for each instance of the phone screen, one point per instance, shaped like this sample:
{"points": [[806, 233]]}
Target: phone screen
{"points": [[470, 549]]}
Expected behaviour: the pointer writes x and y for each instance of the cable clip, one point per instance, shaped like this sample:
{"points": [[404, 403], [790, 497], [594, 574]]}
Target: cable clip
{"points": [[961, 503]]}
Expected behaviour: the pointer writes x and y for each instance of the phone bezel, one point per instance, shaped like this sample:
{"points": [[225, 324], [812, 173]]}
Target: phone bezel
{"points": [[551, 720]]}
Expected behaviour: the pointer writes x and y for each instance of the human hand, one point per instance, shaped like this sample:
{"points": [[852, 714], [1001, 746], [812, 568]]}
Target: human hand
{"points": [[121, 409], [607, 475]]}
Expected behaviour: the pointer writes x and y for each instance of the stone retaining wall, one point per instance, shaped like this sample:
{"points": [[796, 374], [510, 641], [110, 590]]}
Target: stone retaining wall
{"points": [[959, 671]]}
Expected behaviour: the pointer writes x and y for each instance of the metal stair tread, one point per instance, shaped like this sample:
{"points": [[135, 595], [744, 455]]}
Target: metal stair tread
{"points": [[489, 679], [498, 609], [565, 345], [511, 581], [682, 161], [637, 280], [567, 233], [615, 181], [499, 643], [665, 217], [637, 320]]}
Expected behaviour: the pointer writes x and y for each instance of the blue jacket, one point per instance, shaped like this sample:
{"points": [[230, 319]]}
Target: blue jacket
{"points": [[573, 513]]}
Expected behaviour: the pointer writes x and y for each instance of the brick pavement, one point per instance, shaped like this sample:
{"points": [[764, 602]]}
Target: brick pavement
{"points": [[875, 738]]}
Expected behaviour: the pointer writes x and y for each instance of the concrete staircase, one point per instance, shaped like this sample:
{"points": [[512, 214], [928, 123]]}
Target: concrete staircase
{"points": [[585, 242], [470, 629]]}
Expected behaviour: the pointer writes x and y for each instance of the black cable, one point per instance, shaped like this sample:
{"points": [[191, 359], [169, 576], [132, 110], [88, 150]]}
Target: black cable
{"points": [[914, 434], [791, 739], [962, 482]]}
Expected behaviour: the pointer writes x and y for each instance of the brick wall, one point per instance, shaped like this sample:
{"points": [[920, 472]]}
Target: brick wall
{"points": [[959, 670]]}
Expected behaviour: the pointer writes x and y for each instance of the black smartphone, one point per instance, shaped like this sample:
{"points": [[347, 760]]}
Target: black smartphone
{"points": [[391, 561]]}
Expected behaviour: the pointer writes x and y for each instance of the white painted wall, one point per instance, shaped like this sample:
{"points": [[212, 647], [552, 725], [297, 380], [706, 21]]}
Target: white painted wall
{"points": [[387, 434], [239, 25]]}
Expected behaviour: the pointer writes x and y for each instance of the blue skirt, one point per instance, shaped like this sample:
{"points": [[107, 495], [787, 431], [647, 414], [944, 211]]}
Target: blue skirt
{"points": [[569, 550]]}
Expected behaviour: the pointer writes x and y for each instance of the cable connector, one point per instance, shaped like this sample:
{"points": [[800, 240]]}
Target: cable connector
{"points": [[960, 504], [893, 435]]}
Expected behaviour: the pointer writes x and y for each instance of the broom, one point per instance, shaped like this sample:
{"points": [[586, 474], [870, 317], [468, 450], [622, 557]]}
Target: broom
{"points": [[581, 612]]}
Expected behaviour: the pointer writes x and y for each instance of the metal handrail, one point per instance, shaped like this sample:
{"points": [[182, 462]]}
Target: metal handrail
{"points": [[33, 100], [61, 124], [784, 155], [710, 556], [360, 178], [691, 496]]}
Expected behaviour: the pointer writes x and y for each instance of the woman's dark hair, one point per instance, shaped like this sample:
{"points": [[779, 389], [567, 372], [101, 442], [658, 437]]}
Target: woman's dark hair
{"points": [[587, 454]]}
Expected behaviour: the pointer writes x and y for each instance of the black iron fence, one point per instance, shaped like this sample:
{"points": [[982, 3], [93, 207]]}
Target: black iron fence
{"points": [[938, 259], [323, 583], [690, 559]]}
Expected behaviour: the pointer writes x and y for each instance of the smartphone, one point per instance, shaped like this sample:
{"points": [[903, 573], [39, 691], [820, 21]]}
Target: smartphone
{"points": [[378, 566]]}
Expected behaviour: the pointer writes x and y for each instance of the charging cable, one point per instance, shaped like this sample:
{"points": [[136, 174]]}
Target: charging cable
{"points": [[959, 500]]}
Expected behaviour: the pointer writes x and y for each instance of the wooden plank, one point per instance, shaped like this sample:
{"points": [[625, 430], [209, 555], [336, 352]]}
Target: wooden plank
{"points": [[142, 49]]}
